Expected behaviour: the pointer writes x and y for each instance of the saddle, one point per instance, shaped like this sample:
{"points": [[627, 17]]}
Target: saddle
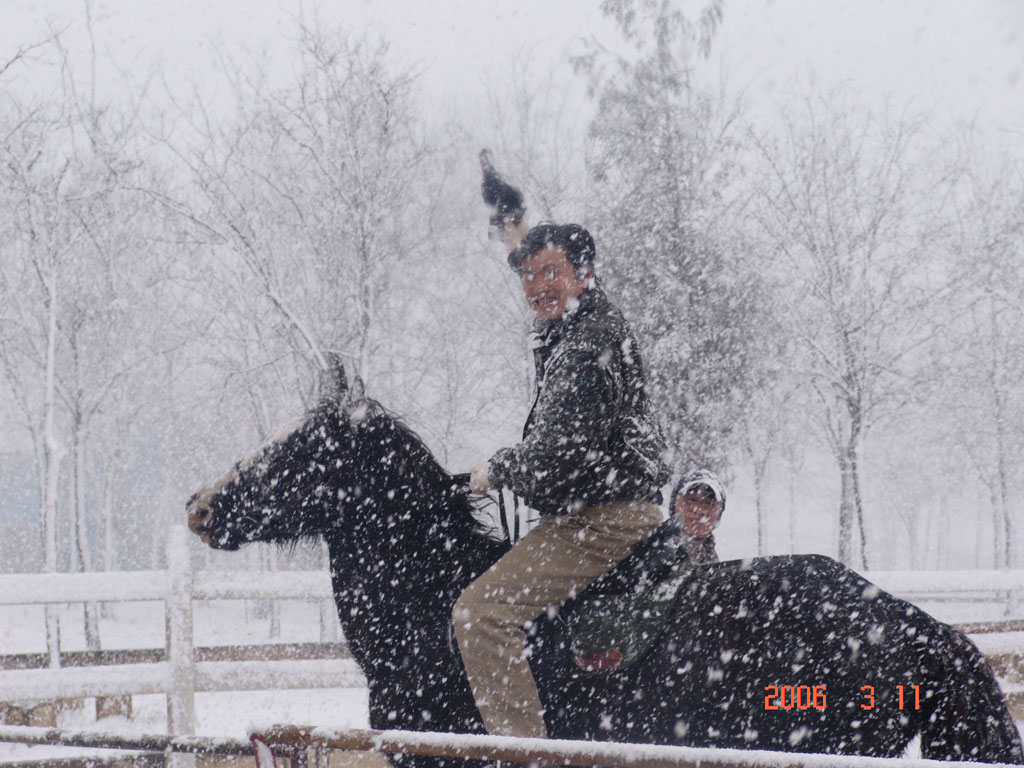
{"points": [[619, 618], [614, 622]]}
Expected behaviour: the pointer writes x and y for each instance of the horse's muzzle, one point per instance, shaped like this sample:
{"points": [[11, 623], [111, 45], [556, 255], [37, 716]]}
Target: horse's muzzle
{"points": [[198, 518], [200, 522]]}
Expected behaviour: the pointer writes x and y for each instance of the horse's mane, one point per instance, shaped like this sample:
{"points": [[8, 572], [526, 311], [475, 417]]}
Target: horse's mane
{"points": [[434, 480]]}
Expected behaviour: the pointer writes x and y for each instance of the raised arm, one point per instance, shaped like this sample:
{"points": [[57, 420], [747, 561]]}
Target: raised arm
{"points": [[507, 223]]}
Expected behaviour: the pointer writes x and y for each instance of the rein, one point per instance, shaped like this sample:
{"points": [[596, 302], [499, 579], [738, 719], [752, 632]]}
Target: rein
{"points": [[511, 528]]}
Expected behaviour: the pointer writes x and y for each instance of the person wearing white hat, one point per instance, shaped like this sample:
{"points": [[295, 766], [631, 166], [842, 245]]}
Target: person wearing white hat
{"points": [[699, 498]]}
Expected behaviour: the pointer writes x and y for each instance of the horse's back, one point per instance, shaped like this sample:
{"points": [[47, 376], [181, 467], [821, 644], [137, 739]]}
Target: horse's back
{"points": [[774, 653], [801, 653]]}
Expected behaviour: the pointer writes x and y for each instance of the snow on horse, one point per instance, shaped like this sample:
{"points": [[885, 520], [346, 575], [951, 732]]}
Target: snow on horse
{"points": [[793, 653]]}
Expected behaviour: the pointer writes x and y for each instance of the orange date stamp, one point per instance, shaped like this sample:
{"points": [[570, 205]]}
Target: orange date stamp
{"points": [[788, 697]]}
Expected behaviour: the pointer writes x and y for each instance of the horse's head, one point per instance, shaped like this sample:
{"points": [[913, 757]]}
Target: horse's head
{"points": [[283, 490], [347, 465]]}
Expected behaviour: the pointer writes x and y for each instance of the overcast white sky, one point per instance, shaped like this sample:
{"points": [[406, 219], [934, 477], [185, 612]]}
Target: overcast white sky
{"points": [[959, 57]]}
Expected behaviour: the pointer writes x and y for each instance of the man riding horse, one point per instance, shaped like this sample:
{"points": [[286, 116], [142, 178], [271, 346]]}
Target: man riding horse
{"points": [[405, 547], [590, 463]]}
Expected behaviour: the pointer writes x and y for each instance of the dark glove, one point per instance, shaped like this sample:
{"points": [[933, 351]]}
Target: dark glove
{"points": [[506, 200]]}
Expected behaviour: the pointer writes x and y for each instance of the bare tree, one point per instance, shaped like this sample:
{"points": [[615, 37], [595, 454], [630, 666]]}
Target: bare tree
{"points": [[76, 268], [307, 193], [986, 331], [854, 223], [26, 53], [764, 424]]}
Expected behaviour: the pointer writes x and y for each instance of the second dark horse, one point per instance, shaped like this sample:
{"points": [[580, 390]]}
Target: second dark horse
{"points": [[403, 544]]}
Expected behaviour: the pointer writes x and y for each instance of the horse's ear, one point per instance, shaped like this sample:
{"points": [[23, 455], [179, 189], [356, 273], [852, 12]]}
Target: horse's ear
{"points": [[357, 392], [333, 382]]}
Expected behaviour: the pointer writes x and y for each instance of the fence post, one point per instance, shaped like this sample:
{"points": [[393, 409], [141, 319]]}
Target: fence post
{"points": [[181, 707], [1015, 601], [328, 621], [52, 636]]}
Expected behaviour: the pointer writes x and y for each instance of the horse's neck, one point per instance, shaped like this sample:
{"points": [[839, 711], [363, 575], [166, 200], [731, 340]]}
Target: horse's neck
{"points": [[409, 533], [425, 543]]}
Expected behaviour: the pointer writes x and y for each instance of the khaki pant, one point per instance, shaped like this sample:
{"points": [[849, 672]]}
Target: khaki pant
{"points": [[552, 563]]}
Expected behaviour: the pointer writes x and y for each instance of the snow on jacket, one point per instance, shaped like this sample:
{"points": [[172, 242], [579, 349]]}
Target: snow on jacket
{"points": [[591, 437]]}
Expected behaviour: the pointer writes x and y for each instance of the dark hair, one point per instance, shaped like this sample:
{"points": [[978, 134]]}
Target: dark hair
{"points": [[573, 239]]}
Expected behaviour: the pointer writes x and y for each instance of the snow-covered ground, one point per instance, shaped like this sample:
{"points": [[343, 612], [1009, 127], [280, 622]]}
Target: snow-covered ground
{"points": [[141, 625]]}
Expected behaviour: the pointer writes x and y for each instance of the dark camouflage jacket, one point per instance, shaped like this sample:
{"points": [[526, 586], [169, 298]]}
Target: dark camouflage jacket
{"points": [[591, 437]]}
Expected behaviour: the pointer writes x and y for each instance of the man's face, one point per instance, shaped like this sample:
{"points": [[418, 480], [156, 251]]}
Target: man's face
{"points": [[549, 282], [700, 515]]}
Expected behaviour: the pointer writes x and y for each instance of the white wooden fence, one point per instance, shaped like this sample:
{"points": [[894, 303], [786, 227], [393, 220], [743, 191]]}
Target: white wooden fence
{"points": [[181, 676]]}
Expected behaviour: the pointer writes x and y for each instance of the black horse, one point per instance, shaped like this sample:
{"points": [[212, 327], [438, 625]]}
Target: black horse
{"points": [[784, 653]]}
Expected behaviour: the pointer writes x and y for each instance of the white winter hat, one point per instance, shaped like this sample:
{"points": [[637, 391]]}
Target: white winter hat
{"points": [[702, 477]]}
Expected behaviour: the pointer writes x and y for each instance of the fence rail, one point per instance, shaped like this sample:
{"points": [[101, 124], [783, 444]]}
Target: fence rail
{"points": [[288, 740], [193, 745], [260, 652], [93, 587], [296, 741], [126, 679]]}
